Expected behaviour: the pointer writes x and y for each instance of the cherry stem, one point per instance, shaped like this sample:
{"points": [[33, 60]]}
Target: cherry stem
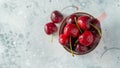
{"points": [[97, 29], [71, 47], [52, 38], [76, 42], [77, 25], [70, 6]]}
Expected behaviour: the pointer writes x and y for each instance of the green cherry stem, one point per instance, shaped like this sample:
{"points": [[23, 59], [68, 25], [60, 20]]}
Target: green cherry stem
{"points": [[52, 36], [97, 29], [76, 42], [77, 25], [71, 47]]}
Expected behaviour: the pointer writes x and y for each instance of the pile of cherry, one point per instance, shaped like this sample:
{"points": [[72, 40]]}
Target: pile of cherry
{"points": [[79, 32]]}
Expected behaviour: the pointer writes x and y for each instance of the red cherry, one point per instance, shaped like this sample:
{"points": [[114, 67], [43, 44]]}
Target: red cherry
{"points": [[71, 30], [63, 39], [86, 38], [50, 28], [74, 32], [95, 22], [67, 29], [83, 22], [80, 48], [56, 17], [96, 38], [71, 19]]}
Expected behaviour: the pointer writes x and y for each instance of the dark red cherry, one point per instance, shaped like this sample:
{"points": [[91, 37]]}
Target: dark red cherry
{"points": [[63, 39], [96, 38], [83, 22], [81, 49], [71, 19], [71, 30], [50, 28], [86, 38], [56, 17], [95, 22]]}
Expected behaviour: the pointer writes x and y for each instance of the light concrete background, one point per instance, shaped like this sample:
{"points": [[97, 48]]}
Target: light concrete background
{"points": [[24, 44]]}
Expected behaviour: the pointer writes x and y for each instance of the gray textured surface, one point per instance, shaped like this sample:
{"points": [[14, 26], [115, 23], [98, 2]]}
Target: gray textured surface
{"points": [[23, 43]]}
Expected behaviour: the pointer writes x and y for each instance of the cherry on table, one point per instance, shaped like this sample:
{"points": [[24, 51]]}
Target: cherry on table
{"points": [[86, 38], [50, 28], [83, 22], [56, 16]]}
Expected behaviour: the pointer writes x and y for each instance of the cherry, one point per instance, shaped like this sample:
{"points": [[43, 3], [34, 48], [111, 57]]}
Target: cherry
{"points": [[56, 16], [74, 31], [96, 38], [95, 26], [63, 39], [71, 30], [83, 22], [50, 28], [95, 22], [86, 38], [80, 48], [71, 19], [67, 29]]}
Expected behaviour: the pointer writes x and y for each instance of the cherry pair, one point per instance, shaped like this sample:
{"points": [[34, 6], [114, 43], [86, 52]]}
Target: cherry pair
{"points": [[50, 27]]}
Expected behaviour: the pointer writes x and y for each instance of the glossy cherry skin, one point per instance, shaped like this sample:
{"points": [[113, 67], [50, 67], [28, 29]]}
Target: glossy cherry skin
{"points": [[63, 39], [96, 23], [80, 48], [96, 38], [83, 22], [71, 30], [86, 38], [71, 19], [50, 28], [56, 16]]}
